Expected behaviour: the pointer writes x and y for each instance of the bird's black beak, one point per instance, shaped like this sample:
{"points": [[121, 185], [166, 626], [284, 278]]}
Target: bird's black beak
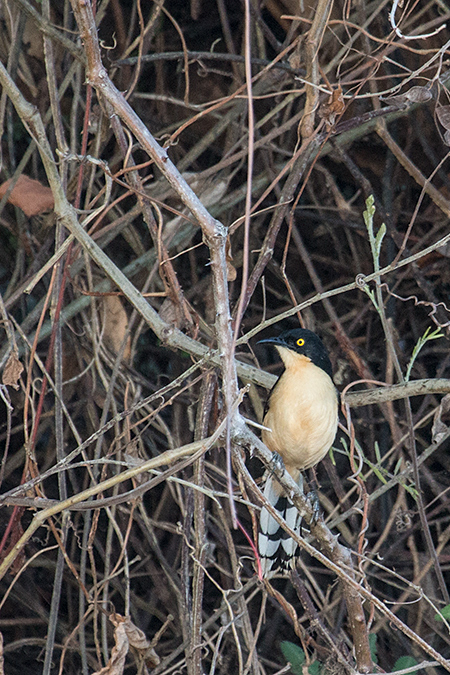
{"points": [[271, 341]]}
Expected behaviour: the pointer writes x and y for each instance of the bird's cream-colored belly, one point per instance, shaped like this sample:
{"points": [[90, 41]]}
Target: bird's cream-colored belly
{"points": [[302, 416]]}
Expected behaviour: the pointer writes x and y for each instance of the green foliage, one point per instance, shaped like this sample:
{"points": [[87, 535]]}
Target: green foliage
{"points": [[426, 337], [405, 662], [373, 647], [376, 240], [314, 668], [295, 656], [443, 614], [382, 474]]}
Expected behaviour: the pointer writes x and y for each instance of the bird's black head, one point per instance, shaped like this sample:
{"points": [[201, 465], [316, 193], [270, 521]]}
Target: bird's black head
{"points": [[303, 341]]}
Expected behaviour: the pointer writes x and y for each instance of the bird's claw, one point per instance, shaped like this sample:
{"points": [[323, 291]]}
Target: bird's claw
{"points": [[313, 501], [276, 462]]}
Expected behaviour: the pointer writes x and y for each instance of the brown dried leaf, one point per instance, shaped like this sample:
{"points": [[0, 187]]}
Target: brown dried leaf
{"points": [[414, 95], [418, 94], [400, 100], [29, 195], [134, 457], [128, 635], [231, 270], [115, 324], [171, 313], [12, 371], [440, 428], [138, 641], [334, 107], [116, 663], [33, 40], [443, 115]]}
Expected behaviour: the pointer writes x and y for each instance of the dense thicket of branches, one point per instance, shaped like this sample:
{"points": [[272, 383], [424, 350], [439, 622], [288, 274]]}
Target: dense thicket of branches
{"points": [[209, 164]]}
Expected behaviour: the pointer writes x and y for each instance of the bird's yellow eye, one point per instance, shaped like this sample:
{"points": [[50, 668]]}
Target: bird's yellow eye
{"points": [[300, 342]]}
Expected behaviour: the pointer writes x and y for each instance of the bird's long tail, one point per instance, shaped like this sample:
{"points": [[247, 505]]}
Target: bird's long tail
{"points": [[276, 548]]}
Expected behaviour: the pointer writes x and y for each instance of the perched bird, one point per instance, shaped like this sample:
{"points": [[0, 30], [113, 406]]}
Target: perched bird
{"points": [[300, 426]]}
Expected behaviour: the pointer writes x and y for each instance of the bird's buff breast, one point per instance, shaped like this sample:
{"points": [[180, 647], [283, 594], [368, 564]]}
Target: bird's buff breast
{"points": [[302, 416]]}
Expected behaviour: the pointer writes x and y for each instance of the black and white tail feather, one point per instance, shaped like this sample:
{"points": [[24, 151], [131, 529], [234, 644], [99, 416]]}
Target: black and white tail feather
{"points": [[276, 547]]}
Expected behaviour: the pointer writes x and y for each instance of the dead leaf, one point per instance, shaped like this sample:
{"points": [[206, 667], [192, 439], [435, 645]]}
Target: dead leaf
{"points": [[12, 371], [333, 108], [419, 94], [440, 428], [29, 195], [115, 325], [413, 95], [134, 456], [32, 40], [231, 270], [139, 642], [443, 115], [295, 58], [127, 635], [116, 663], [171, 313]]}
